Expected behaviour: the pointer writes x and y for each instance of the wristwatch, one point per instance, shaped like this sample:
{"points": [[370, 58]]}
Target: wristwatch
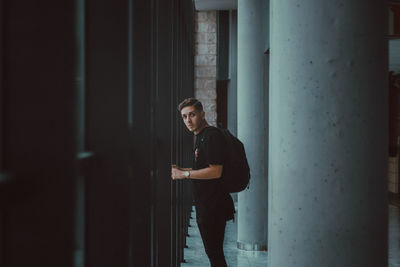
{"points": [[187, 174]]}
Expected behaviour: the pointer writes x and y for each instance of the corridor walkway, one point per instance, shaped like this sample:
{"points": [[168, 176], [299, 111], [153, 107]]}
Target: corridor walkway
{"points": [[196, 257]]}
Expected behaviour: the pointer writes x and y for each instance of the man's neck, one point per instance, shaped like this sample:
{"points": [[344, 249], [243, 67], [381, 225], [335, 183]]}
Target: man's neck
{"points": [[205, 124]]}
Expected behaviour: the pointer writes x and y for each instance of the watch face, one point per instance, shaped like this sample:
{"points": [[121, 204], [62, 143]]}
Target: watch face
{"points": [[186, 173]]}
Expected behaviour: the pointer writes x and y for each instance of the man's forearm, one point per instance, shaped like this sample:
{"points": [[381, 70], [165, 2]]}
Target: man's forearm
{"points": [[213, 172]]}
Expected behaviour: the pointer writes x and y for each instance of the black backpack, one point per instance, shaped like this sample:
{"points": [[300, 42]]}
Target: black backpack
{"points": [[236, 171]]}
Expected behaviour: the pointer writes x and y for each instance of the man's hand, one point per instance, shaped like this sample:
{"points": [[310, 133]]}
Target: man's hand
{"points": [[177, 173]]}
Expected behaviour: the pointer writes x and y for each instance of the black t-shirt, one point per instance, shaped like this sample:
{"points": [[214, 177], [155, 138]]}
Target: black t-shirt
{"points": [[210, 199]]}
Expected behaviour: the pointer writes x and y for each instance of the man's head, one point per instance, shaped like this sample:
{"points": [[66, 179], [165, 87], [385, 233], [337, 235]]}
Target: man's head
{"points": [[192, 114]]}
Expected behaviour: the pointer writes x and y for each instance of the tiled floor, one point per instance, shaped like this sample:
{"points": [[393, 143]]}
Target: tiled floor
{"points": [[196, 257]]}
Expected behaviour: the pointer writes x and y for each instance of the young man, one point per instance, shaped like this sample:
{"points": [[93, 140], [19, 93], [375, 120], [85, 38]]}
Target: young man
{"points": [[213, 205]]}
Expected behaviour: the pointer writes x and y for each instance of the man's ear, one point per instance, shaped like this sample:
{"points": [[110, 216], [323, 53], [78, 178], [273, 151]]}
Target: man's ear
{"points": [[203, 115]]}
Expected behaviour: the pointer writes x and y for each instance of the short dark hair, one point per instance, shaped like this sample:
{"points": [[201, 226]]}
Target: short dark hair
{"points": [[190, 102]]}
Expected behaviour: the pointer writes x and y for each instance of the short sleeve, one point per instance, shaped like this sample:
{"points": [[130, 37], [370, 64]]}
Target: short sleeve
{"points": [[215, 148]]}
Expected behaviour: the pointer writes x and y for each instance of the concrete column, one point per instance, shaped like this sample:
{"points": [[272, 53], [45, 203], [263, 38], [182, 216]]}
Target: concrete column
{"points": [[252, 203], [328, 134]]}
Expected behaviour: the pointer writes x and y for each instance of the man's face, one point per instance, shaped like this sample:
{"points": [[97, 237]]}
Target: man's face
{"points": [[192, 118]]}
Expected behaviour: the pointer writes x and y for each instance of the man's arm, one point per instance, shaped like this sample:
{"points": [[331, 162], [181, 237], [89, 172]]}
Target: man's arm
{"points": [[211, 172]]}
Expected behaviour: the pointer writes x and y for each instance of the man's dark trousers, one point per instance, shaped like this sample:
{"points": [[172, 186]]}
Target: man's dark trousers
{"points": [[212, 235]]}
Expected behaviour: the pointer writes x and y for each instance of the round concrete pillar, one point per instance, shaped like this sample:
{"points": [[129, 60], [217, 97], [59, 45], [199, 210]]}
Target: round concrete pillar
{"points": [[252, 203], [328, 134]]}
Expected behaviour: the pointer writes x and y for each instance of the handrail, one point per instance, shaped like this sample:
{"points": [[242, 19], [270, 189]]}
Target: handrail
{"points": [[5, 178], [83, 159], [84, 155]]}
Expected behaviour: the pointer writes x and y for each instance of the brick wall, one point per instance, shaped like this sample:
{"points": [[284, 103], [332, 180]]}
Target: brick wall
{"points": [[205, 69]]}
